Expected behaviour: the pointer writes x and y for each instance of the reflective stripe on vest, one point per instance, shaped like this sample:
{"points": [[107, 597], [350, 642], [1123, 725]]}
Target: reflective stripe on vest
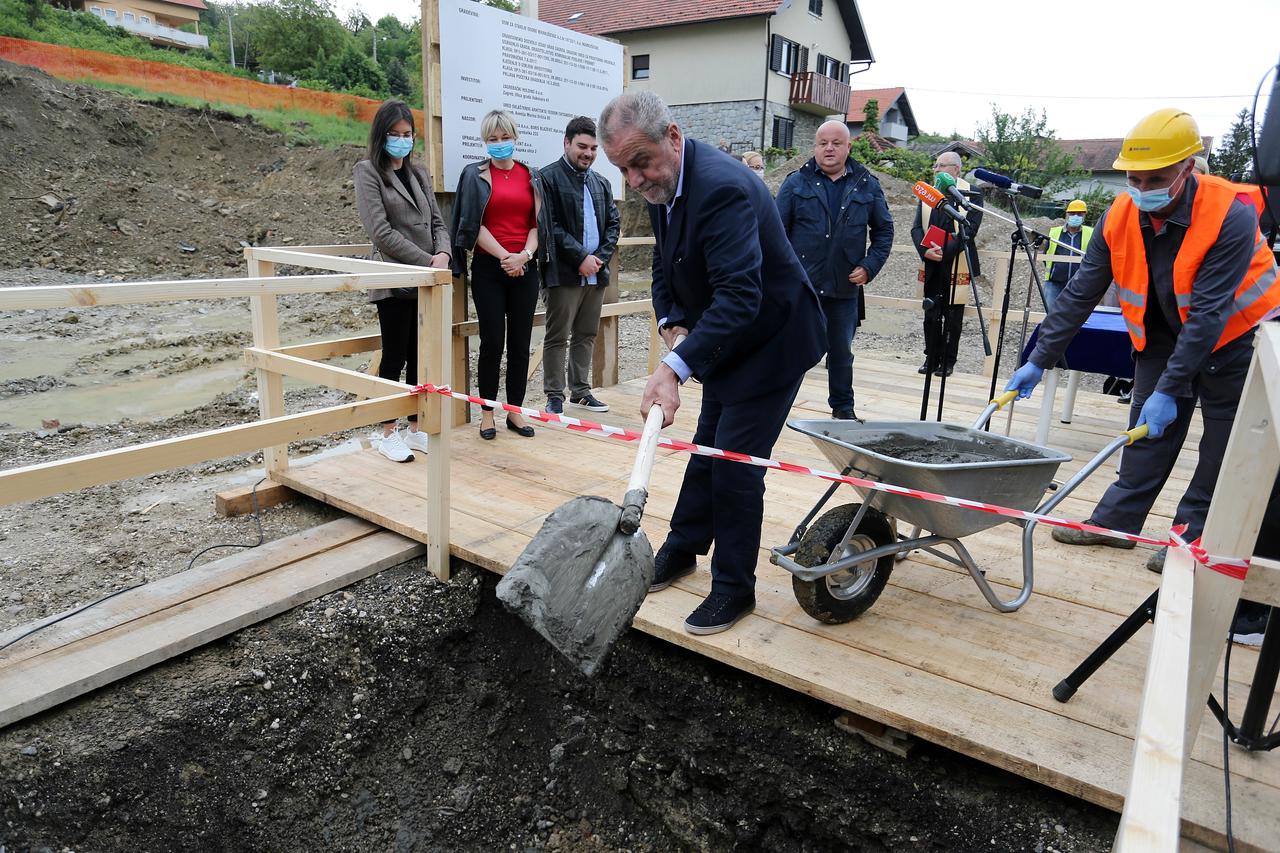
{"points": [[1257, 295]]}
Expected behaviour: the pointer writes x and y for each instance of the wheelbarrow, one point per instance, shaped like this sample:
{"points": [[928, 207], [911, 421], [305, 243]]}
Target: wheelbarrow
{"points": [[841, 563]]}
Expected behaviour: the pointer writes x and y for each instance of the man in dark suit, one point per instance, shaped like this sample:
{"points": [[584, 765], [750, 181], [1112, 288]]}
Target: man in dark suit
{"points": [[725, 276]]}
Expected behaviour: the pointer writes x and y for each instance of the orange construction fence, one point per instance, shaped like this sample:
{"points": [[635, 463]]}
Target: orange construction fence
{"points": [[69, 63]]}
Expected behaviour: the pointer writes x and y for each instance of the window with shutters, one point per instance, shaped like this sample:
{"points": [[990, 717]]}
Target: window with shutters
{"points": [[783, 132], [787, 57], [829, 66], [640, 66], [815, 7]]}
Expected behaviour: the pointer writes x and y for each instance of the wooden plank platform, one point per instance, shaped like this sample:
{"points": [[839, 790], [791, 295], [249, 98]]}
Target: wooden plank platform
{"points": [[930, 658], [154, 622]]}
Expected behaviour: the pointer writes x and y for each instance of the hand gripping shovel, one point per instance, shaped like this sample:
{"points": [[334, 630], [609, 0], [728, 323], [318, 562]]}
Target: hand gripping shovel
{"points": [[584, 575]]}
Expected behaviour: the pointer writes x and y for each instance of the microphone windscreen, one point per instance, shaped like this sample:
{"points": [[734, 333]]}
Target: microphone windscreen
{"points": [[927, 194], [995, 178]]}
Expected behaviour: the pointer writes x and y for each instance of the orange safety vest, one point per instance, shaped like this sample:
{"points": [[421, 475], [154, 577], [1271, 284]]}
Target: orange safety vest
{"points": [[1257, 294]]}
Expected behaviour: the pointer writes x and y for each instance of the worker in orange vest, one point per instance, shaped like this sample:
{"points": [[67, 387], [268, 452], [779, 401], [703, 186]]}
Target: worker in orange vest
{"points": [[1194, 278]]}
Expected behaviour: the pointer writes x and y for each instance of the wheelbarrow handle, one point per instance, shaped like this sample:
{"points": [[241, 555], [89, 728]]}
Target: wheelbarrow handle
{"points": [[638, 486], [1136, 433], [995, 405]]}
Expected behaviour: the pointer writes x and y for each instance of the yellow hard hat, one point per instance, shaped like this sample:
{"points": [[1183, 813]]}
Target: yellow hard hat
{"points": [[1077, 206], [1161, 139]]}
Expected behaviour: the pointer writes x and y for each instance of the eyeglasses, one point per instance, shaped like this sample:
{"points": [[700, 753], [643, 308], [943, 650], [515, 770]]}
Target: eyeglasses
{"points": [[756, 168], [406, 135]]}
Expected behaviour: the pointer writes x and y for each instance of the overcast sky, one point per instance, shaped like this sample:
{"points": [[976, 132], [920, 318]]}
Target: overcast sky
{"points": [[1094, 67]]}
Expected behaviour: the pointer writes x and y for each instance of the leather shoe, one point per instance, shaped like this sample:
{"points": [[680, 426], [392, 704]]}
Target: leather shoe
{"points": [[489, 433], [670, 565], [719, 612], [526, 431], [1083, 537], [1155, 563], [924, 368], [846, 415], [945, 371]]}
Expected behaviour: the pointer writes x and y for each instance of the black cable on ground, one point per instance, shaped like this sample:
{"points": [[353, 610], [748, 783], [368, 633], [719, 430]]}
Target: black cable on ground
{"points": [[255, 514]]}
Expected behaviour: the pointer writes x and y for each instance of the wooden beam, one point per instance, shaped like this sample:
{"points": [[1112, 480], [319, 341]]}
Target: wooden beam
{"points": [[321, 261], [321, 350], [616, 309], [64, 475], [265, 318], [461, 412], [43, 682], [351, 381], [134, 292], [342, 250], [239, 501], [1263, 582], [435, 361]]}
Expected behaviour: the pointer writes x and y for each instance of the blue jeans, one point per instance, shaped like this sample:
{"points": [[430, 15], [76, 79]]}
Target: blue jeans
{"points": [[842, 323], [1052, 290]]}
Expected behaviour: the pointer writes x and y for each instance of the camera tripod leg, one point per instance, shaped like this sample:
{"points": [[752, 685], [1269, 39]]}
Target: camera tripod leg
{"points": [[1146, 612]]}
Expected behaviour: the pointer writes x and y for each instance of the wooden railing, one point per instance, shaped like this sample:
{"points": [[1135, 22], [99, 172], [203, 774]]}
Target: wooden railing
{"points": [[814, 92]]}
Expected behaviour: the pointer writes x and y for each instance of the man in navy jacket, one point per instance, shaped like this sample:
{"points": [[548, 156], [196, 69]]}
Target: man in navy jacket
{"points": [[724, 275], [828, 206]]}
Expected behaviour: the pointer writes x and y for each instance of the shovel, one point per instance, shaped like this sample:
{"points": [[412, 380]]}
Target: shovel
{"points": [[582, 578]]}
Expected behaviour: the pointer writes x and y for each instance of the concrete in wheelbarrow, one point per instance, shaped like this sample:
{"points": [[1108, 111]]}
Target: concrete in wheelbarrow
{"points": [[930, 657]]}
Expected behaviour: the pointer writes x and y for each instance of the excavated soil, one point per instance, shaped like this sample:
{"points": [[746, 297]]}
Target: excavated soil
{"points": [[402, 713]]}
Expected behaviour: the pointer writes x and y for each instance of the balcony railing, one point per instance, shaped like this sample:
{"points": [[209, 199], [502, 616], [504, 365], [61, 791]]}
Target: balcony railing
{"points": [[812, 92], [157, 32]]}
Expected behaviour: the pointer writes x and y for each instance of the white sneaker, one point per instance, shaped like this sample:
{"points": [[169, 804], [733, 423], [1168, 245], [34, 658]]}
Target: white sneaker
{"points": [[414, 439], [394, 448]]}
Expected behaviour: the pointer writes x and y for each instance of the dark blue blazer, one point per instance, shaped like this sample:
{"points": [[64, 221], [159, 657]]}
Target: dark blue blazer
{"points": [[724, 269]]}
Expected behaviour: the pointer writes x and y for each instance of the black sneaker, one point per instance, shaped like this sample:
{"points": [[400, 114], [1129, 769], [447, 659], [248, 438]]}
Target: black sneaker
{"points": [[555, 405], [719, 612], [590, 403], [1249, 623], [846, 415], [670, 565]]}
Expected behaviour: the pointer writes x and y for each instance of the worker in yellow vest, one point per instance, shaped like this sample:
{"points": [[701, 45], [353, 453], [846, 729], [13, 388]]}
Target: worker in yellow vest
{"points": [[1194, 278], [1074, 234]]}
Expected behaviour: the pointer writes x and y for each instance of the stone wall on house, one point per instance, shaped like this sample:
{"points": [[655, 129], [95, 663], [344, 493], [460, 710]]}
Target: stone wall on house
{"points": [[738, 123]]}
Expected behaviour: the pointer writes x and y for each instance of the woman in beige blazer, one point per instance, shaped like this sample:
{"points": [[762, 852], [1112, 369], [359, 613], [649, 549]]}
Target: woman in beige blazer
{"points": [[399, 213]]}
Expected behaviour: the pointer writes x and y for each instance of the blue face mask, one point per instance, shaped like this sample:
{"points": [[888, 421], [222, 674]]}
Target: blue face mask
{"points": [[398, 147], [1152, 200], [501, 150], [1075, 220]]}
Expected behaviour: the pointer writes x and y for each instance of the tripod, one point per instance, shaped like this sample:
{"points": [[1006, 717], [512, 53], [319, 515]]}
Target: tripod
{"points": [[941, 334], [1249, 733]]}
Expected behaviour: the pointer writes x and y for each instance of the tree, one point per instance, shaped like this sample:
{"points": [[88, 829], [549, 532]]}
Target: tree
{"points": [[1024, 148], [398, 79], [35, 8], [1235, 153], [352, 71], [507, 5], [291, 34], [871, 116]]}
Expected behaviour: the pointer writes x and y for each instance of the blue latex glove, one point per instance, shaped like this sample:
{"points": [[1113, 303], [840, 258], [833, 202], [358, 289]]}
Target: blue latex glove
{"points": [[1024, 380], [1157, 413]]}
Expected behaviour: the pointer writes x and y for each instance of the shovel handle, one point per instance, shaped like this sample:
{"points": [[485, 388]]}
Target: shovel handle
{"points": [[638, 486]]}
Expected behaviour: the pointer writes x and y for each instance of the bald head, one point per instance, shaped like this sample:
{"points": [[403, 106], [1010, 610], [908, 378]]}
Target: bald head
{"points": [[831, 147], [949, 162]]}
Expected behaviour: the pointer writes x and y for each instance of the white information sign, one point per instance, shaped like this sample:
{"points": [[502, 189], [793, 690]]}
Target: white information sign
{"points": [[542, 74]]}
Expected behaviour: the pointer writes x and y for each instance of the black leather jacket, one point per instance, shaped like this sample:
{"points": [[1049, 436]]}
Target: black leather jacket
{"points": [[474, 189]]}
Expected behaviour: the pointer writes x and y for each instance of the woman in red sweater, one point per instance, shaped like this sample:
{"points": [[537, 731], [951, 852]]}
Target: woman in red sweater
{"points": [[498, 212]]}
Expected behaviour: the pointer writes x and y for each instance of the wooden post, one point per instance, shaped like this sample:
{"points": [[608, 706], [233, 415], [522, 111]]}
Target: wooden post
{"points": [[1196, 609], [604, 358], [266, 335], [435, 366], [998, 281], [461, 352]]}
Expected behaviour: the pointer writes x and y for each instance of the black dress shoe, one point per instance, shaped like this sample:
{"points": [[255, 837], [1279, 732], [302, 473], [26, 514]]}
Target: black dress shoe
{"points": [[488, 433], [846, 415], [719, 612], [945, 371], [526, 431], [924, 368], [670, 565]]}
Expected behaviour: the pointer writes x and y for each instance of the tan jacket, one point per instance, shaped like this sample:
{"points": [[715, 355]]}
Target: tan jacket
{"points": [[404, 229]]}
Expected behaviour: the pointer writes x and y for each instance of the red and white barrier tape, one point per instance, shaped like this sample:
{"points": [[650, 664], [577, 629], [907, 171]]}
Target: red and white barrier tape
{"points": [[1230, 566]]}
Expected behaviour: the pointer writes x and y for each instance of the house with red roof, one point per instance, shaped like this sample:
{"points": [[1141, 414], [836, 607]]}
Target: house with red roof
{"points": [[752, 74], [158, 21], [897, 121]]}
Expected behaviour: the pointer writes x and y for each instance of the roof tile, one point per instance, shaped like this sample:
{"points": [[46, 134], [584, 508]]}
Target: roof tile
{"points": [[604, 18]]}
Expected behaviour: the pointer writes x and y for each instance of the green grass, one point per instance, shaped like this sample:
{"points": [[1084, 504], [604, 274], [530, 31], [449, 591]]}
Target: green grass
{"points": [[299, 127]]}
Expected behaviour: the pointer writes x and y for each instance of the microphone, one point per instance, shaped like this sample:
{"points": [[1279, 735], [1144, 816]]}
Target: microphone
{"points": [[933, 197], [961, 200], [1005, 183]]}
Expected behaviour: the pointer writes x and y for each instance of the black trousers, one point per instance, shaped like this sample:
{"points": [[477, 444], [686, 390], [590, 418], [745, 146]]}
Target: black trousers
{"points": [[398, 323], [1146, 464], [722, 502], [504, 307], [943, 322]]}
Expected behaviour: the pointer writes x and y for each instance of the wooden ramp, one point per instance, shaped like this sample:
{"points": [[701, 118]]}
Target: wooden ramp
{"points": [[930, 657], [160, 620]]}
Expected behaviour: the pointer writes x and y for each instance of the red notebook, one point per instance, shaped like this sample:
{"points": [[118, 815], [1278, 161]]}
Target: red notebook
{"points": [[935, 237]]}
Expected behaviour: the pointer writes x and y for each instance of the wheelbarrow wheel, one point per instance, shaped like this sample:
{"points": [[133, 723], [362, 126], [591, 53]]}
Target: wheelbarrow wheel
{"points": [[845, 594]]}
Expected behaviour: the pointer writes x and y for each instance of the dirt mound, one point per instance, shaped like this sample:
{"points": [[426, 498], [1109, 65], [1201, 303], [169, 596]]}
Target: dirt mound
{"points": [[142, 190]]}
